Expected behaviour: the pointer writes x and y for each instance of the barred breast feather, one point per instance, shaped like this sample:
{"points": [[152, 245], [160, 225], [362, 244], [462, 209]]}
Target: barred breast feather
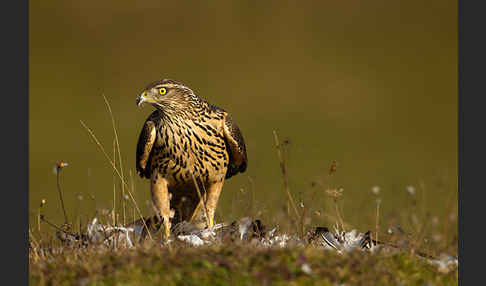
{"points": [[210, 146]]}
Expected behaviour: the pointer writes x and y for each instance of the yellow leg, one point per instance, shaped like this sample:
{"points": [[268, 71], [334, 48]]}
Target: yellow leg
{"points": [[160, 197], [214, 191]]}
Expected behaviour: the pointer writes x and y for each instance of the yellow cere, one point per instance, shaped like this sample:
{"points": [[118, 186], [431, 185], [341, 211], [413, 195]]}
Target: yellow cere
{"points": [[162, 90]]}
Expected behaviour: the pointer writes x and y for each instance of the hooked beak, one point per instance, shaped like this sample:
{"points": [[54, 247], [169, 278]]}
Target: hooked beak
{"points": [[144, 98]]}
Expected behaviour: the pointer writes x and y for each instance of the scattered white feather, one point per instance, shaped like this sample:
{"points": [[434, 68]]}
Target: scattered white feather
{"points": [[445, 262], [98, 233], [341, 241], [306, 269], [191, 239]]}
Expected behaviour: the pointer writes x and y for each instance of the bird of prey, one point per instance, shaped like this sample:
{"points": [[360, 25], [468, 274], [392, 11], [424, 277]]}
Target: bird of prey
{"points": [[184, 141]]}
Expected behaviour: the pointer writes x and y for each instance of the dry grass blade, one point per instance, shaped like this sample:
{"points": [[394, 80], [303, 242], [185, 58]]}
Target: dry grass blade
{"points": [[59, 166], [43, 202], [338, 213], [114, 185], [57, 227], [284, 173], [378, 201], [201, 199], [120, 161], [335, 194], [133, 191], [253, 199], [32, 238], [119, 175], [302, 224]]}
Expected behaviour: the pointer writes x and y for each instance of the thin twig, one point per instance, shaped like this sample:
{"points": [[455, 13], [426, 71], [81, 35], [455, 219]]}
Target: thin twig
{"points": [[302, 222], [118, 173], [59, 166], [335, 194], [114, 184], [339, 216], [120, 162], [38, 220], [201, 199], [56, 227], [133, 191], [252, 189], [32, 237], [284, 173], [377, 218]]}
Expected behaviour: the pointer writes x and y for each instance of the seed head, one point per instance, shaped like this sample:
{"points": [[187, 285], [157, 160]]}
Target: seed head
{"points": [[375, 190], [62, 164], [333, 168], [335, 193], [411, 190]]}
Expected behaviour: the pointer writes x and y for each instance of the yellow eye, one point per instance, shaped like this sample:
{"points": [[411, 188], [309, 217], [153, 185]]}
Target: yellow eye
{"points": [[162, 90]]}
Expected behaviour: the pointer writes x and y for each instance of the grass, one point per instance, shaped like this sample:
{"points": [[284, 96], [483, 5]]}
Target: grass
{"points": [[243, 264], [234, 264]]}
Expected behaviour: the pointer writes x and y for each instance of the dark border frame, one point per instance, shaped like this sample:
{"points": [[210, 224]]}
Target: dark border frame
{"points": [[471, 77], [15, 133]]}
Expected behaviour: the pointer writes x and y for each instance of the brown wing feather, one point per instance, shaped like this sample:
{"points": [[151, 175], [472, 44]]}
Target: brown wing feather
{"points": [[236, 148], [144, 147]]}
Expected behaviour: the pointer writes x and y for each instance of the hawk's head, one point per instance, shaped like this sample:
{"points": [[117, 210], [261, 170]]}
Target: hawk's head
{"points": [[166, 94]]}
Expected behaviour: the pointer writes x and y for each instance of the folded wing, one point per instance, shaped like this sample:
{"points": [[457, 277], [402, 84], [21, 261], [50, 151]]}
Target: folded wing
{"points": [[144, 147], [236, 147]]}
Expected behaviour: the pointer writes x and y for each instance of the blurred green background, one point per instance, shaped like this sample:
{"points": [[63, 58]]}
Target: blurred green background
{"points": [[372, 85]]}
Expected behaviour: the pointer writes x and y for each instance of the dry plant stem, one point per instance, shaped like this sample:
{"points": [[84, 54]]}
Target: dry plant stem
{"points": [[341, 212], [302, 218], [252, 189], [32, 237], [450, 207], [201, 199], [119, 152], [288, 208], [339, 215], [377, 219], [284, 173], [38, 221], [55, 226], [133, 191], [34, 246], [114, 187], [58, 171], [420, 234], [327, 177], [134, 215], [118, 173], [423, 198]]}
